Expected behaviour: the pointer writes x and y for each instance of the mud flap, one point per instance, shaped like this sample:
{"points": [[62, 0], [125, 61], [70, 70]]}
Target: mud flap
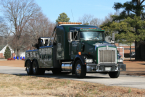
{"points": [[122, 67]]}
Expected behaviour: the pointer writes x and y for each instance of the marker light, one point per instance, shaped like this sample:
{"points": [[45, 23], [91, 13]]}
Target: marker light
{"points": [[79, 53], [69, 23]]}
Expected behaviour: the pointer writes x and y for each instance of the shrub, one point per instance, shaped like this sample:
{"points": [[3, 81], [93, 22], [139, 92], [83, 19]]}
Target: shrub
{"points": [[7, 53]]}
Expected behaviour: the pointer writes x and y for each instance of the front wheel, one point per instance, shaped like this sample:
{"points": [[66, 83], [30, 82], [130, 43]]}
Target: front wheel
{"points": [[114, 74], [80, 69]]}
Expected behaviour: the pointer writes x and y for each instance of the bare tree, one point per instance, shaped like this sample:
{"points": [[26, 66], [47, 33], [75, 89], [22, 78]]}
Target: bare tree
{"points": [[19, 13], [39, 26], [4, 32], [108, 18], [87, 19], [96, 22], [3, 27]]}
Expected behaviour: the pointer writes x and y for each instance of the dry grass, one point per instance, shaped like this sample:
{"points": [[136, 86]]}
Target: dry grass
{"points": [[32, 86]]}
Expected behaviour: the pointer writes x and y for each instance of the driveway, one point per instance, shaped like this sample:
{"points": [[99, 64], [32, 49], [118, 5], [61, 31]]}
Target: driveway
{"points": [[123, 80]]}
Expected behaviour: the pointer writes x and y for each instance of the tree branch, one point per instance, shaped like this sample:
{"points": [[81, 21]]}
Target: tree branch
{"points": [[142, 2], [132, 11]]}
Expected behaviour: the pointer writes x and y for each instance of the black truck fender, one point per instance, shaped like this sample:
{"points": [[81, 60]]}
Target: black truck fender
{"points": [[77, 57], [26, 62], [81, 58], [35, 60]]}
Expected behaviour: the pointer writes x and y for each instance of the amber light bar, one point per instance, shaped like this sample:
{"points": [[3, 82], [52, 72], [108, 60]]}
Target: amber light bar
{"points": [[69, 23]]}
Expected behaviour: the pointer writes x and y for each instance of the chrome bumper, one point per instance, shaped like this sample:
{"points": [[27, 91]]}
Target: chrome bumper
{"points": [[105, 67]]}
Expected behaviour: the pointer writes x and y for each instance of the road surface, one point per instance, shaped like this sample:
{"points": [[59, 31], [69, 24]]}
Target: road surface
{"points": [[123, 80]]}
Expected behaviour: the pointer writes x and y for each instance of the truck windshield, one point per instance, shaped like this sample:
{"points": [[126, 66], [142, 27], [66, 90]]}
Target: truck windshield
{"points": [[91, 36]]}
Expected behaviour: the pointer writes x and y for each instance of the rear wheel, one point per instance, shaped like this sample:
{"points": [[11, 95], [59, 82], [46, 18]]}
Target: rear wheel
{"points": [[114, 74], [36, 69], [29, 68], [80, 69]]}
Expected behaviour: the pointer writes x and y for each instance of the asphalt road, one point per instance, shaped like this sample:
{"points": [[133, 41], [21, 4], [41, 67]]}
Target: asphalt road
{"points": [[123, 80]]}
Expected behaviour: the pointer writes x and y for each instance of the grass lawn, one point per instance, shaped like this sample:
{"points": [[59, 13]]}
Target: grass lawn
{"points": [[33, 86]]}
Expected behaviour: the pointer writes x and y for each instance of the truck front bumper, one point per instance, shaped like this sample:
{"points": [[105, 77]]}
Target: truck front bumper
{"points": [[111, 67]]}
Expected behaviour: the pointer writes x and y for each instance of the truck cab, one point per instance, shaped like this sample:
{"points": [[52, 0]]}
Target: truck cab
{"points": [[76, 48]]}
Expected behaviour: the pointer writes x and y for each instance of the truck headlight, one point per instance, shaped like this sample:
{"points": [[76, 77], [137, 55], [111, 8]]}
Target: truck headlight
{"points": [[120, 60], [89, 60]]}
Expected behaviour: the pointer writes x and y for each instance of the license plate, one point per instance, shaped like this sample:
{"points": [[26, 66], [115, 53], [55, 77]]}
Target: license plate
{"points": [[107, 68]]}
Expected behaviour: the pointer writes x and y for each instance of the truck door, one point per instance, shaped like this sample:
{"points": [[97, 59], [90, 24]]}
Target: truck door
{"points": [[74, 44]]}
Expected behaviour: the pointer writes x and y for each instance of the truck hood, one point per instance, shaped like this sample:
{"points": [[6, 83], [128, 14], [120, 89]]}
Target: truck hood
{"points": [[97, 44]]}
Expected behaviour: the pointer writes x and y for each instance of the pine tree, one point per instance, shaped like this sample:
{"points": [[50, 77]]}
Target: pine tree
{"points": [[134, 9], [130, 9], [126, 30], [63, 18], [7, 53]]}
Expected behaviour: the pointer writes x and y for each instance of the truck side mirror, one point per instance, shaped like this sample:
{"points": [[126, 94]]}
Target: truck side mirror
{"points": [[69, 36]]}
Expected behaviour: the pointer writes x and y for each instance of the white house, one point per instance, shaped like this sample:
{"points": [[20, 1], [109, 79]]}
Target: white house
{"points": [[2, 50], [22, 54]]}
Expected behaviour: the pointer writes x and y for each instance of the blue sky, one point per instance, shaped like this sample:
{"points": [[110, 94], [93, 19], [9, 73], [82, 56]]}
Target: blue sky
{"points": [[97, 8]]}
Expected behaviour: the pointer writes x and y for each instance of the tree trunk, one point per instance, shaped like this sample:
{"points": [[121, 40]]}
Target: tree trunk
{"points": [[18, 52], [137, 51], [130, 51]]}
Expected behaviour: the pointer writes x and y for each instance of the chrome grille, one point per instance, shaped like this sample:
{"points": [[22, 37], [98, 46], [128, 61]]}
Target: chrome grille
{"points": [[107, 55]]}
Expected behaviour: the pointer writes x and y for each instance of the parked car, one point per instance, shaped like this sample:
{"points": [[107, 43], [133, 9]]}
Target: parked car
{"points": [[132, 54], [119, 59]]}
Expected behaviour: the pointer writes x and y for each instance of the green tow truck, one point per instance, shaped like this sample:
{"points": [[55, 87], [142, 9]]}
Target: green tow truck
{"points": [[74, 48]]}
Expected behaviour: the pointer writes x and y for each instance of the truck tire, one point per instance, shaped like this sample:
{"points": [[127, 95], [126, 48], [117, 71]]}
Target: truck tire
{"points": [[36, 69], [114, 74], [56, 71], [29, 68], [80, 69]]}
